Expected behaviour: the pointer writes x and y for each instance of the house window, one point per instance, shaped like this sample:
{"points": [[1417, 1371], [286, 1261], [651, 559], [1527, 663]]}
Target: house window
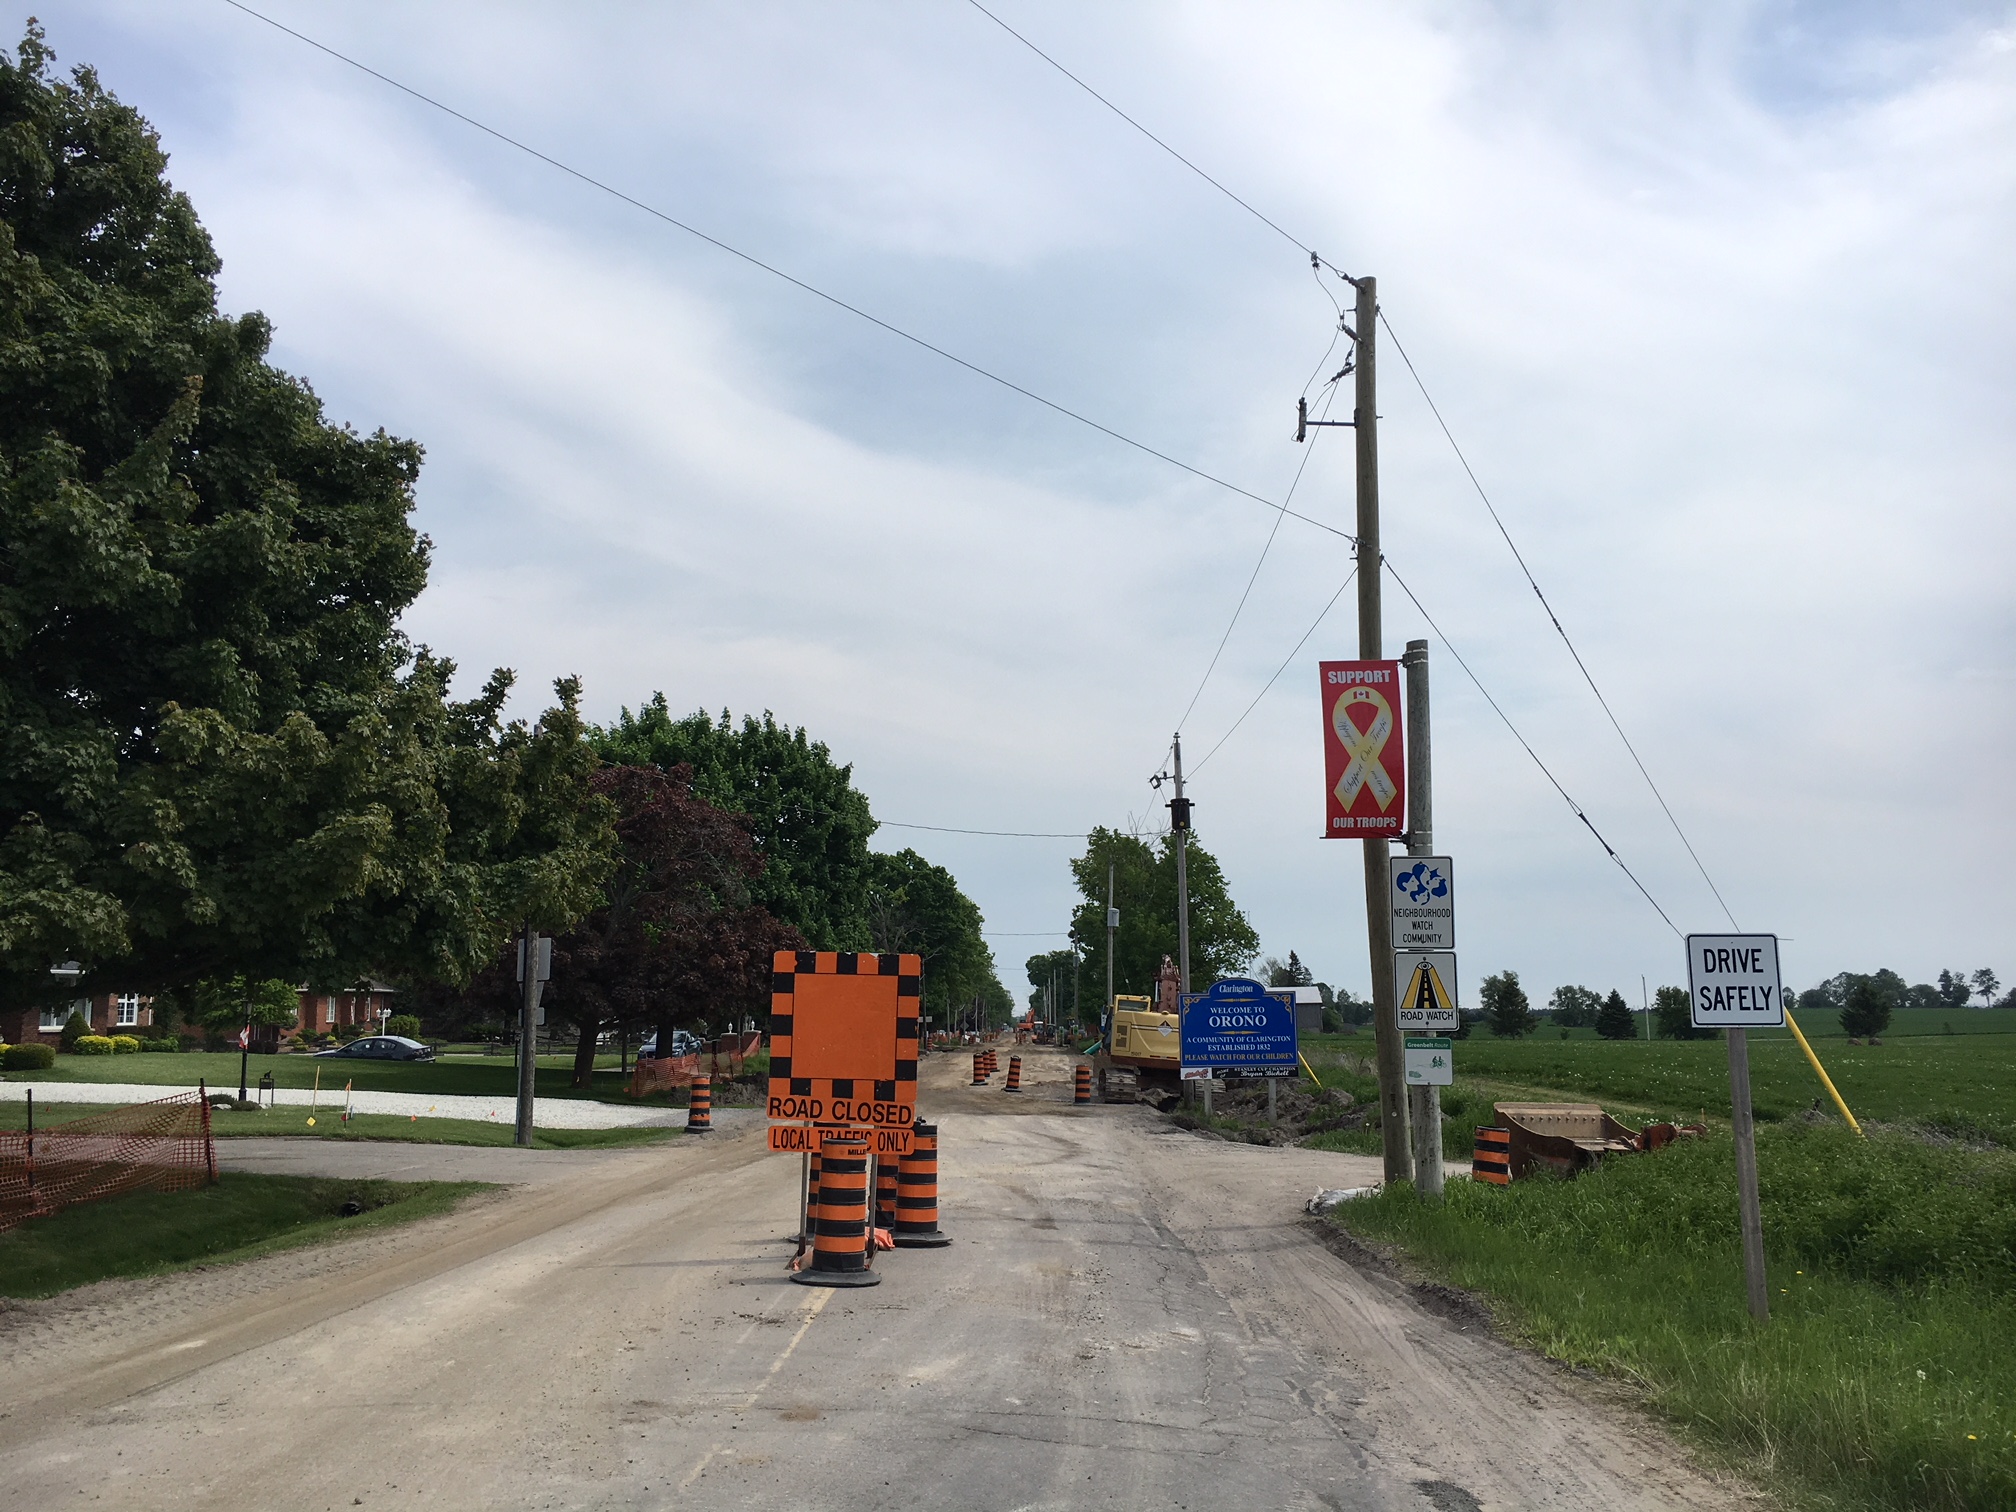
{"points": [[126, 1009], [53, 1019]]}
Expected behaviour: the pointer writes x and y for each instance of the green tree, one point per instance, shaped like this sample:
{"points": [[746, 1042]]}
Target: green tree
{"points": [[1506, 1009], [1063, 971], [226, 1005], [1866, 1006], [1222, 942], [1672, 1015], [75, 1027], [1987, 984], [916, 907], [811, 824], [1954, 990], [1288, 973], [1575, 1007], [219, 754], [1613, 1019]]}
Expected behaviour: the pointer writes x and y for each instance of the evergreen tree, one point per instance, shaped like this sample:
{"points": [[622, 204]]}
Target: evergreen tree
{"points": [[1673, 1017], [1865, 1007], [1506, 1009], [1613, 1019]]}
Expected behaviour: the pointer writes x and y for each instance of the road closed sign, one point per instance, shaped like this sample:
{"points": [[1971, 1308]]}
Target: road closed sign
{"points": [[843, 1039], [1364, 775], [1732, 982]]}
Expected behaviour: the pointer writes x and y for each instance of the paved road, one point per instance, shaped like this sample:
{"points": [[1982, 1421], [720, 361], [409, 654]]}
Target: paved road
{"points": [[1131, 1317]]}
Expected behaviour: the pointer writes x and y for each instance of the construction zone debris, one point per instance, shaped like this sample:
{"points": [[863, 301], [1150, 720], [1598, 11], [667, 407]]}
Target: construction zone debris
{"points": [[1563, 1139]]}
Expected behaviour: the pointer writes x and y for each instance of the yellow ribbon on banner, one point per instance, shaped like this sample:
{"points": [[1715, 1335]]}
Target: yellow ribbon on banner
{"points": [[1363, 747]]}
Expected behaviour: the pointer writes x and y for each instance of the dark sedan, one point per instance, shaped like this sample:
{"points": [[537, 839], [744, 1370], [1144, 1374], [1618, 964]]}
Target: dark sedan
{"points": [[383, 1047]]}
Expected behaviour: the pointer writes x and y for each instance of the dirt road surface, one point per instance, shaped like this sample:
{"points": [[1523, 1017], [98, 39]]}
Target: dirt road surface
{"points": [[1130, 1317]]}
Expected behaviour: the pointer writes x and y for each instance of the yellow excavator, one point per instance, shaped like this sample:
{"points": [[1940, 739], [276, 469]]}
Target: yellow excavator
{"points": [[1139, 1057]]}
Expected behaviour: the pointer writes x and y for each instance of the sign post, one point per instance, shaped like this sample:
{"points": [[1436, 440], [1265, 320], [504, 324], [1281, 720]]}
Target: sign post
{"points": [[1733, 985]]}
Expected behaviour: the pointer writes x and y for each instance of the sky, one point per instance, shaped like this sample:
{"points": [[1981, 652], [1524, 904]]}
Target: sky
{"points": [[1716, 300]]}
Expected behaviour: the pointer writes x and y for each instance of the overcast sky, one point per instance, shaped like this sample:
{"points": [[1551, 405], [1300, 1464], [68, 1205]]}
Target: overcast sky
{"points": [[1717, 299]]}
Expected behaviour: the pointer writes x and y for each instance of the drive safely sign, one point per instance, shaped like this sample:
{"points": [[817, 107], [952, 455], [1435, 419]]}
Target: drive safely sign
{"points": [[1732, 982]]}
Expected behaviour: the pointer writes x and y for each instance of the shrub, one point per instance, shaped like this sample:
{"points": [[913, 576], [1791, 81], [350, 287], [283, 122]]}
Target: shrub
{"points": [[407, 1024], [166, 1046], [92, 1044], [125, 1044], [75, 1028], [29, 1057]]}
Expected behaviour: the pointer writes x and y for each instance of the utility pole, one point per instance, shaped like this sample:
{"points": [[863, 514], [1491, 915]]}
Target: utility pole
{"points": [[1424, 1104], [1179, 820], [1378, 913], [530, 975], [1112, 930]]}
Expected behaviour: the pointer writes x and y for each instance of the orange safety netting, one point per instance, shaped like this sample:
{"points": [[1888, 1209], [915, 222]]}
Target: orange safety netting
{"points": [[162, 1146], [722, 1057]]}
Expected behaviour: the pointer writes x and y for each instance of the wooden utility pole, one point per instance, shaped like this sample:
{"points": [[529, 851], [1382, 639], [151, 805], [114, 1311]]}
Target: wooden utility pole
{"points": [[1424, 1104], [1378, 913], [1750, 1217], [1179, 819]]}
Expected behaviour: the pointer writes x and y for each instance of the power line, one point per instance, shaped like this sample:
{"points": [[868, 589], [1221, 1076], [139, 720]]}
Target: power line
{"points": [[1575, 807], [1282, 668], [1554, 619], [776, 272], [946, 829], [1447, 433]]}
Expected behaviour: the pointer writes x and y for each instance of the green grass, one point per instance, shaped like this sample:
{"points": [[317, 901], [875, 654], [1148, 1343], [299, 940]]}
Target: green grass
{"points": [[237, 1218], [1893, 1288], [293, 1123], [492, 1076]]}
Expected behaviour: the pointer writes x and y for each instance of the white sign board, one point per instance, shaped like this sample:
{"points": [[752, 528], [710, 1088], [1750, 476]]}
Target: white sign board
{"points": [[1732, 982], [1431, 1062], [1424, 991], [1423, 895]]}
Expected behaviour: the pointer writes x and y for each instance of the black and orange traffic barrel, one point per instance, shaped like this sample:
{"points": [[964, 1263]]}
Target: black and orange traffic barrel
{"points": [[1081, 1091], [1014, 1074], [700, 1105], [840, 1237], [885, 1193], [917, 1192], [1491, 1158], [979, 1069]]}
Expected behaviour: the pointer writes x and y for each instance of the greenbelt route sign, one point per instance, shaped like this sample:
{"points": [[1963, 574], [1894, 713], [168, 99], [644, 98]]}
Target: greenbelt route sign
{"points": [[1431, 1061]]}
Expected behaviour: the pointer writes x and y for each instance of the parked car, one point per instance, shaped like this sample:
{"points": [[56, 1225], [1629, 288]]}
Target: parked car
{"points": [[382, 1047], [682, 1044]]}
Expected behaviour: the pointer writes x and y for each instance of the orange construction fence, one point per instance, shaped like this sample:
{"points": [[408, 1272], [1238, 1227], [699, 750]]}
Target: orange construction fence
{"points": [[163, 1146], [721, 1057]]}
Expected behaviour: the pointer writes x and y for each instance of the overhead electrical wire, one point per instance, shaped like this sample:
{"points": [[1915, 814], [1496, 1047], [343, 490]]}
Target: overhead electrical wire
{"points": [[946, 829], [776, 272], [1552, 617], [1290, 657]]}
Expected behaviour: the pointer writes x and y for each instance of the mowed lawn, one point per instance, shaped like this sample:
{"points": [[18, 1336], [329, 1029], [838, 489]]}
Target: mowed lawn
{"points": [[292, 1122], [477, 1076]]}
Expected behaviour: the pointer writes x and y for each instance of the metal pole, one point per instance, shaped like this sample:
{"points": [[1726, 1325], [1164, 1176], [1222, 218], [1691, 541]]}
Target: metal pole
{"points": [[1645, 997], [1749, 1214], [528, 1029], [1424, 1104], [1180, 811], [1378, 915], [244, 1050]]}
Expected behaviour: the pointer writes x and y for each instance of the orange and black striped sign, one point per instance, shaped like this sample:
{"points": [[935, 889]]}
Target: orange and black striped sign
{"points": [[803, 1139], [843, 1038]]}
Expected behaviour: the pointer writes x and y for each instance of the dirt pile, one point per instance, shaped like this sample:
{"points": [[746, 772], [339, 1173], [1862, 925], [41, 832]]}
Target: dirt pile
{"points": [[1240, 1112]]}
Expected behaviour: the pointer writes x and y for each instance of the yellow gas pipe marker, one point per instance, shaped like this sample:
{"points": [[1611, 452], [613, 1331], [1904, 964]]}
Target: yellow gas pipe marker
{"points": [[1821, 1071]]}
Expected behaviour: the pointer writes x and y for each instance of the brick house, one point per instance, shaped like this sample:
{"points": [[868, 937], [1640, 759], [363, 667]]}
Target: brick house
{"points": [[108, 1013], [364, 1005]]}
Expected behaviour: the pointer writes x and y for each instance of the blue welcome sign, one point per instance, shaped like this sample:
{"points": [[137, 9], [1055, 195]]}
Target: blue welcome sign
{"points": [[1241, 1027]]}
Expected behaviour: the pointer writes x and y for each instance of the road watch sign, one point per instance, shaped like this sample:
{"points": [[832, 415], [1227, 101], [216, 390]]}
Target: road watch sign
{"points": [[1364, 774], [1732, 982], [1424, 991]]}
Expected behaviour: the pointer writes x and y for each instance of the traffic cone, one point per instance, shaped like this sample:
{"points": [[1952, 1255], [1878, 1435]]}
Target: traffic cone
{"points": [[700, 1106], [840, 1236], [1081, 1091], [979, 1070], [917, 1192], [1014, 1074]]}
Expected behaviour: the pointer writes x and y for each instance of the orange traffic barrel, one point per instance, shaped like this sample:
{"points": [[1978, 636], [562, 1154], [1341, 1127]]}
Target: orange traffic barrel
{"points": [[1014, 1074], [1491, 1158], [979, 1070], [811, 1217], [917, 1192], [840, 1237], [885, 1194], [700, 1106], [1081, 1091]]}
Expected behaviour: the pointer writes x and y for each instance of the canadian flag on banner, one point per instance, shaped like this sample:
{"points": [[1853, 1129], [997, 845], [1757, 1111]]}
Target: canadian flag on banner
{"points": [[245, 1038]]}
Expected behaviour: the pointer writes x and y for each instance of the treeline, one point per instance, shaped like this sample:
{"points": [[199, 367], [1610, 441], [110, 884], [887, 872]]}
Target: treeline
{"points": [[222, 764]]}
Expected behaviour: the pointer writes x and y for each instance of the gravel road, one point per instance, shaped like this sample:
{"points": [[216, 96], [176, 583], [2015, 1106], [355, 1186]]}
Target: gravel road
{"points": [[1130, 1317]]}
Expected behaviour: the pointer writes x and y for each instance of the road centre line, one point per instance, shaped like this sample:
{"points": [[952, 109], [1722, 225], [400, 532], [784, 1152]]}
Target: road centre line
{"points": [[813, 1307]]}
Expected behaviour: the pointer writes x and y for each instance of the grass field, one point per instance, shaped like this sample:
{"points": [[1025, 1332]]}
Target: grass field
{"points": [[1885, 1379], [240, 1216], [293, 1123]]}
